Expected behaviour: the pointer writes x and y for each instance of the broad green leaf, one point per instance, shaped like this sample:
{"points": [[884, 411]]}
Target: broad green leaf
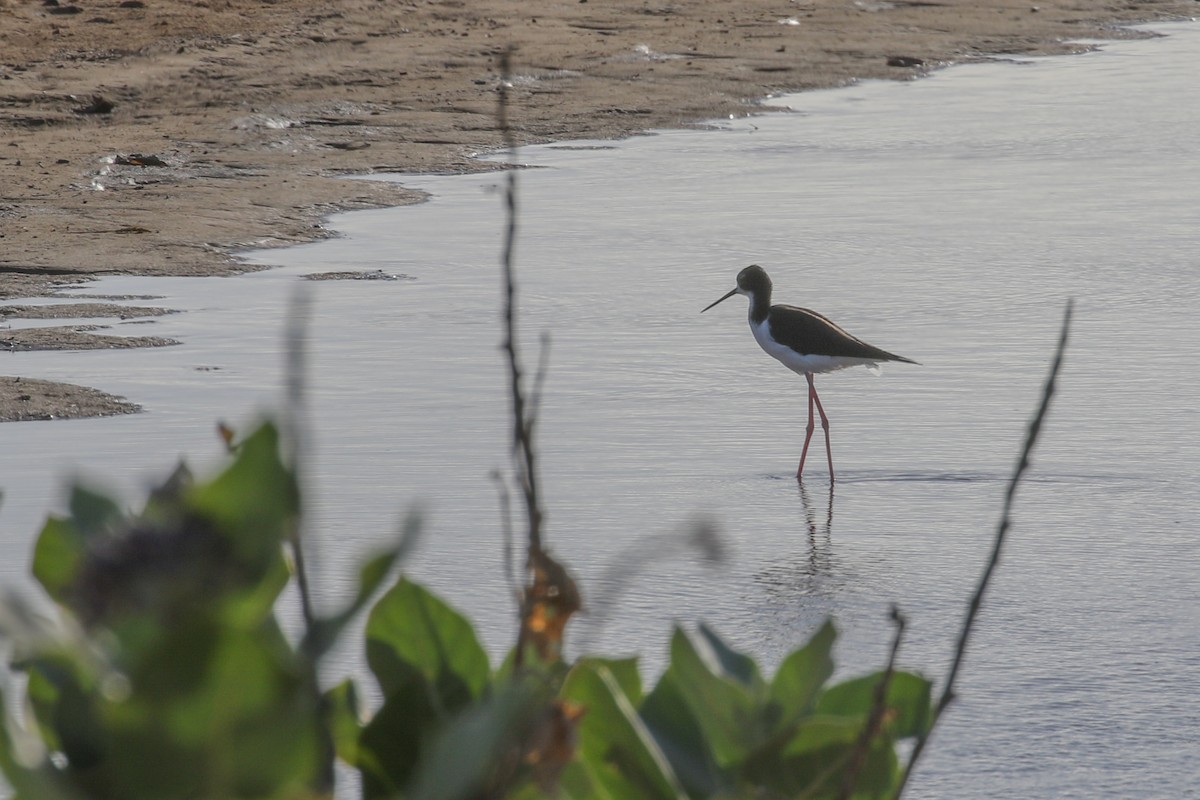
{"points": [[409, 630], [615, 746], [57, 557], [55, 673], [342, 714], [822, 758], [253, 606], [733, 664], [391, 744], [254, 502], [801, 675], [165, 503], [478, 753], [94, 514], [241, 721], [81, 735], [821, 732], [575, 783], [726, 710], [676, 730], [908, 701], [625, 672], [879, 773]]}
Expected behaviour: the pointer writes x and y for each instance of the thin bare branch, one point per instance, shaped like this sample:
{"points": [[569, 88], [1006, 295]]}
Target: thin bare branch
{"points": [[523, 452], [858, 758], [960, 651]]}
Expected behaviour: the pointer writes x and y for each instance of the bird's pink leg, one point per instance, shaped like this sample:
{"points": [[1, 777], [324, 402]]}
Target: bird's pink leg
{"points": [[824, 422], [812, 394]]}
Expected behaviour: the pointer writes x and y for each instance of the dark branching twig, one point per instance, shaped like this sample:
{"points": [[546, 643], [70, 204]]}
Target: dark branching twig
{"points": [[1031, 437], [549, 595], [523, 422], [879, 707]]}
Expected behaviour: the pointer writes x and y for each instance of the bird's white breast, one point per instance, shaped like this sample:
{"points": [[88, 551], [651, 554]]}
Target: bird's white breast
{"points": [[798, 362]]}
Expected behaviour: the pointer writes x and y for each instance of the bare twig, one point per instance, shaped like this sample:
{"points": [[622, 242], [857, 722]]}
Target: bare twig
{"points": [[523, 452], [549, 595], [1031, 437]]}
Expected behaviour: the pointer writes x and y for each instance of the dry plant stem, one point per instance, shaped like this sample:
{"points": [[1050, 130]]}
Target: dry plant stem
{"points": [[523, 453], [297, 325], [295, 429], [878, 709], [539, 377], [507, 530], [1035, 428], [522, 423]]}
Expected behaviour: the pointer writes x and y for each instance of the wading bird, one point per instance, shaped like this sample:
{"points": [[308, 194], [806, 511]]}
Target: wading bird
{"points": [[804, 342]]}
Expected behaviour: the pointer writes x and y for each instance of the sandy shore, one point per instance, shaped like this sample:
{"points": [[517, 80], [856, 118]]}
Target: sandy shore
{"points": [[158, 137]]}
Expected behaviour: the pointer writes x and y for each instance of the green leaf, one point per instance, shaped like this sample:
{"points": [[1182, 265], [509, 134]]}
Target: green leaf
{"points": [[733, 664], [55, 673], [615, 746], [411, 630], [908, 699], [725, 709], [808, 760], [94, 514], [477, 754], [575, 783], [218, 713], [822, 732], [391, 744], [801, 675], [342, 713], [57, 557], [254, 502], [625, 672], [677, 732]]}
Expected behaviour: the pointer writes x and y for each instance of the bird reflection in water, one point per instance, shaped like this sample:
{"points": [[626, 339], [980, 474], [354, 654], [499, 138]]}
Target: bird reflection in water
{"points": [[820, 531], [812, 574]]}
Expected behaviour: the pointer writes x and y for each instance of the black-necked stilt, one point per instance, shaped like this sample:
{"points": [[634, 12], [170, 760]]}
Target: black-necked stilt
{"points": [[805, 342]]}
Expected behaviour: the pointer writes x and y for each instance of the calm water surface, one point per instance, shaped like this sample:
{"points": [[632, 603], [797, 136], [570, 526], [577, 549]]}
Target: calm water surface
{"points": [[947, 220]]}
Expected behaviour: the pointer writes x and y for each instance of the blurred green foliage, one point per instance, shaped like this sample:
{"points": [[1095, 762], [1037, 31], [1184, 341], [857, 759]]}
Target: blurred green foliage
{"points": [[166, 674]]}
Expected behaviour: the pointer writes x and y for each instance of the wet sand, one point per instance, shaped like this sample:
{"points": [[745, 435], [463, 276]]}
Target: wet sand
{"points": [[160, 137]]}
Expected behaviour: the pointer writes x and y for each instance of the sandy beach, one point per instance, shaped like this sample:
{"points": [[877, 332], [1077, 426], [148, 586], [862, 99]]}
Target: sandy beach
{"points": [[159, 137]]}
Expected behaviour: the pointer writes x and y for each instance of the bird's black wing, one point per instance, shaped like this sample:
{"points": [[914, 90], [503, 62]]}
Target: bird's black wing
{"points": [[809, 332]]}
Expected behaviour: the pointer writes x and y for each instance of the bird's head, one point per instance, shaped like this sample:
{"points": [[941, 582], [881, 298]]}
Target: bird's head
{"points": [[751, 281]]}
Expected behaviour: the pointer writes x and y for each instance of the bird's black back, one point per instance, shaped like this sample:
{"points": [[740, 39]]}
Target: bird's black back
{"points": [[808, 332]]}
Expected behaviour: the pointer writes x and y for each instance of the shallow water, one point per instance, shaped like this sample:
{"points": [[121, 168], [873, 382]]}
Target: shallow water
{"points": [[947, 220]]}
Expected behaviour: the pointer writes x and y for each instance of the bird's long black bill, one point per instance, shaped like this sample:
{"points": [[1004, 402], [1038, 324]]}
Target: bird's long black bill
{"points": [[732, 292]]}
